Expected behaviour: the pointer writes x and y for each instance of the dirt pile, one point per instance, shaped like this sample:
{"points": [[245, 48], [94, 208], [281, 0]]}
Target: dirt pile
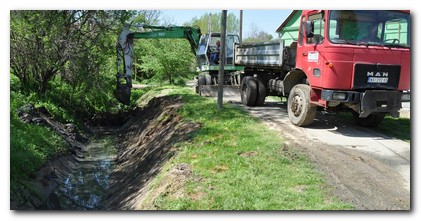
{"points": [[146, 142]]}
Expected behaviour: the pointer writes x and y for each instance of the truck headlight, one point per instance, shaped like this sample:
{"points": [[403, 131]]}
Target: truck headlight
{"points": [[339, 96], [406, 97]]}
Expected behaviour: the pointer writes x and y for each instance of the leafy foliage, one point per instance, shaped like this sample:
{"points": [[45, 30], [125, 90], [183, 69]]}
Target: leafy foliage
{"points": [[165, 60], [68, 57]]}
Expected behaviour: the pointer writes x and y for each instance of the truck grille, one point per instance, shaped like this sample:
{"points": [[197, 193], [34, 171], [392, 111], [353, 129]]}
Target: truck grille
{"points": [[376, 76]]}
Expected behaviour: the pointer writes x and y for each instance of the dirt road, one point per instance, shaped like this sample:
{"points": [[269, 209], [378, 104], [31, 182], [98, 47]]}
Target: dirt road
{"points": [[365, 168]]}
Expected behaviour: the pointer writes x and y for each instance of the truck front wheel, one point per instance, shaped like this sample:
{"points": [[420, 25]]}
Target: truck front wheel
{"points": [[248, 91], [373, 120], [300, 111]]}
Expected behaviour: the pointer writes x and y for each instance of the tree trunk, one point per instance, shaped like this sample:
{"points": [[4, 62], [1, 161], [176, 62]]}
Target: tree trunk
{"points": [[45, 78], [170, 79]]}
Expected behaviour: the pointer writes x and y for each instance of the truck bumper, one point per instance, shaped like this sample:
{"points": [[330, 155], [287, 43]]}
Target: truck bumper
{"points": [[370, 101]]}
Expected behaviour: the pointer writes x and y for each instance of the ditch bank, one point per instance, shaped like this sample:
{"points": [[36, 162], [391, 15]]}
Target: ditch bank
{"points": [[145, 143]]}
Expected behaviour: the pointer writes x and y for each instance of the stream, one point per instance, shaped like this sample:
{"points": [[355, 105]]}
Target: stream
{"points": [[85, 187]]}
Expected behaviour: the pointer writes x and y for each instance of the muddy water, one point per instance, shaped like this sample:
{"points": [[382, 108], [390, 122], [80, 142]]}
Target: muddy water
{"points": [[85, 187]]}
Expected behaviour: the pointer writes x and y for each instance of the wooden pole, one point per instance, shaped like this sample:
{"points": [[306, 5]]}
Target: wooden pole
{"points": [[241, 26], [222, 59]]}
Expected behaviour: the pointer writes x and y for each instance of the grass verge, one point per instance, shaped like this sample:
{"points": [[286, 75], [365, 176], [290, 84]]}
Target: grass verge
{"points": [[238, 164]]}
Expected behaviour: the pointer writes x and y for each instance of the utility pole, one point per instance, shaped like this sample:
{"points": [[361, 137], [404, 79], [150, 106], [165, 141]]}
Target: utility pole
{"points": [[241, 26], [222, 59]]}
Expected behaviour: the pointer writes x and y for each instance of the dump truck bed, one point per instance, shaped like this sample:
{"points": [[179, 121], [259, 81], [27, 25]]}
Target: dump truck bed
{"points": [[266, 54]]}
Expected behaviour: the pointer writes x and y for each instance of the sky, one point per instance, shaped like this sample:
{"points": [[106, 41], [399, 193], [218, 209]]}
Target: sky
{"points": [[265, 20]]}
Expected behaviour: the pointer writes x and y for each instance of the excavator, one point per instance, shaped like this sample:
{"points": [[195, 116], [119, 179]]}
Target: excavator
{"points": [[203, 46]]}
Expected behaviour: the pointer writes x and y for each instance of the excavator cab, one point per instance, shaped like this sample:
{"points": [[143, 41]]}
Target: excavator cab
{"points": [[208, 70], [208, 47]]}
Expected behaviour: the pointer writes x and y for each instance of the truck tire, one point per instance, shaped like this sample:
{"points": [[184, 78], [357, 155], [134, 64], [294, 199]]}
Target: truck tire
{"points": [[200, 81], [248, 91], [208, 79], [373, 120], [261, 92], [300, 111]]}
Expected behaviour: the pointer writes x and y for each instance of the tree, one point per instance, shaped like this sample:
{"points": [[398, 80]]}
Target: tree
{"points": [[69, 56], [165, 59], [257, 35], [37, 44], [214, 20], [74, 44]]}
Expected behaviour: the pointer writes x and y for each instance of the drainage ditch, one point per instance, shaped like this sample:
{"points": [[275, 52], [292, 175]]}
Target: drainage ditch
{"points": [[112, 171]]}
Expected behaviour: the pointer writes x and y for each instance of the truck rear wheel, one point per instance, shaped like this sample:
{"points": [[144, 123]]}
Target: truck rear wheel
{"points": [[373, 120], [261, 92], [201, 80], [208, 79], [248, 91], [300, 111]]}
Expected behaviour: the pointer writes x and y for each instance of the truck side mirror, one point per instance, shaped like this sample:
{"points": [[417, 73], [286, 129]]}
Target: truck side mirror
{"points": [[309, 29]]}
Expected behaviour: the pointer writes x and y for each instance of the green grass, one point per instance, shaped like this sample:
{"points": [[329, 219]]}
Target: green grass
{"points": [[276, 98], [239, 164], [399, 128]]}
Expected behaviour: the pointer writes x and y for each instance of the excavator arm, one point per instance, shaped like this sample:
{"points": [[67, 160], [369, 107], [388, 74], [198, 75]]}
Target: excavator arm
{"points": [[125, 51]]}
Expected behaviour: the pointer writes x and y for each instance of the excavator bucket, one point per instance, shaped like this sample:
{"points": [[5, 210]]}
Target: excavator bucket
{"points": [[123, 91], [123, 94]]}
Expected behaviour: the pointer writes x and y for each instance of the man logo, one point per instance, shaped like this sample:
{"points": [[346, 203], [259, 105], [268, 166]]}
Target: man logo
{"points": [[378, 74]]}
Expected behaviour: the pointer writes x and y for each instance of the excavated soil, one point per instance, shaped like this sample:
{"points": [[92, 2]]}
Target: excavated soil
{"points": [[146, 142]]}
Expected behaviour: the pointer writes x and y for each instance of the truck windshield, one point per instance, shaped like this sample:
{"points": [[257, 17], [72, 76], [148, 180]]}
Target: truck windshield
{"points": [[369, 27]]}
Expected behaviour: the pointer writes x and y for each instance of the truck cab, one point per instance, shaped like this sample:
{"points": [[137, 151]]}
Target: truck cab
{"points": [[338, 60], [356, 58]]}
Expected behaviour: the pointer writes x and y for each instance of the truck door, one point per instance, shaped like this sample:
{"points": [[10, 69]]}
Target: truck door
{"points": [[311, 50]]}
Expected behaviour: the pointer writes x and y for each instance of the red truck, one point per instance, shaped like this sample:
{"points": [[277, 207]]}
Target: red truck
{"points": [[340, 60]]}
